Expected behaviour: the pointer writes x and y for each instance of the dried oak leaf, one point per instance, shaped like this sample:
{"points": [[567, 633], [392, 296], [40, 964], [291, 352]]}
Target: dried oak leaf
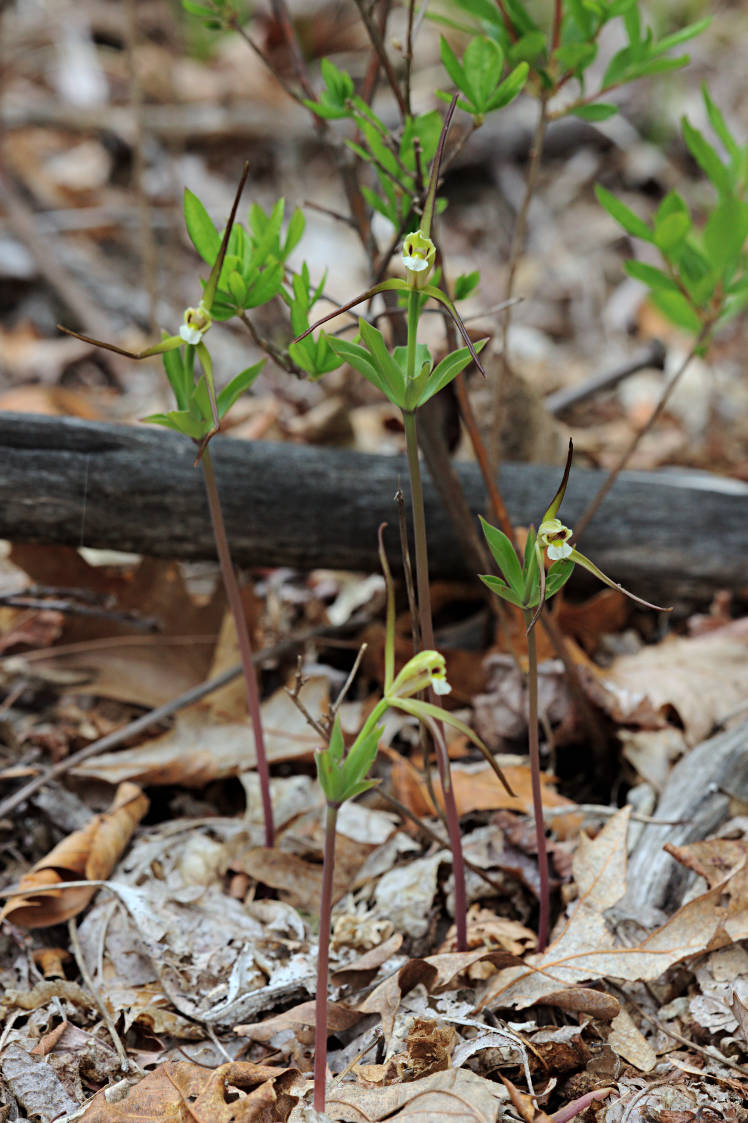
{"points": [[182, 1092], [87, 855], [459, 1095], [585, 947]]}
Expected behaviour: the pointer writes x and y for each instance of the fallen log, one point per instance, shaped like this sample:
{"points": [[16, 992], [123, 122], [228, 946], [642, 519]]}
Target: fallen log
{"points": [[134, 488]]}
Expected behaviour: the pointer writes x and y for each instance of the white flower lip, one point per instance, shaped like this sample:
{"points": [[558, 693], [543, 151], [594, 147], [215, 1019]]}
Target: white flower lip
{"points": [[440, 685], [559, 550], [190, 334], [415, 264]]}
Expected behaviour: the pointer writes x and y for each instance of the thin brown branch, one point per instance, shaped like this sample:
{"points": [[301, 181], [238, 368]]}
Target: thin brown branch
{"points": [[628, 452], [377, 41], [515, 252]]}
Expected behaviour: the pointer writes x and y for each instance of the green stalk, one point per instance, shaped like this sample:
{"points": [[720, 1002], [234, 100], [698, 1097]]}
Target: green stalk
{"points": [[537, 798], [323, 960], [427, 632], [242, 634]]}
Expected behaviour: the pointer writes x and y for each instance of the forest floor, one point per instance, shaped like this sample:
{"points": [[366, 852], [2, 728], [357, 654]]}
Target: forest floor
{"points": [[183, 988]]}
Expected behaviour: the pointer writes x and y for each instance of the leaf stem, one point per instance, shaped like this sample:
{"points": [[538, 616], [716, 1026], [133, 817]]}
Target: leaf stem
{"points": [[231, 586], [323, 960]]}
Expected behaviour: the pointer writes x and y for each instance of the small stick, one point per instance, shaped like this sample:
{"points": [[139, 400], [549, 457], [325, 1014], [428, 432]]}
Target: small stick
{"points": [[625, 456], [153, 717], [562, 400], [124, 1061]]}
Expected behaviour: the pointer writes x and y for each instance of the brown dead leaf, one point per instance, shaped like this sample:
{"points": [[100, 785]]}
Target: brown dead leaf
{"points": [[477, 788], [429, 1048], [487, 930], [340, 1018], [585, 947], [300, 882], [385, 998], [362, 970], [702, 678], [626, 1040], [459, 1095], [199, 749], [89, 854], [604, 614], [524, 1104], [584, 1000], [22, 627], [182, 1092], [56, 401]]}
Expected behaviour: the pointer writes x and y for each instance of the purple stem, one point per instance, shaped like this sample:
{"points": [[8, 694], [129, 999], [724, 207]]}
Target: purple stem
{"points": [[427, 641], [537, 797], [231, 586], [323, 960]]}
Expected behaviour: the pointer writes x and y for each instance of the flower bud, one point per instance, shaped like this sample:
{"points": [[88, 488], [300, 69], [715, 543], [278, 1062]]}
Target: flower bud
{"points": [[425, 670]]}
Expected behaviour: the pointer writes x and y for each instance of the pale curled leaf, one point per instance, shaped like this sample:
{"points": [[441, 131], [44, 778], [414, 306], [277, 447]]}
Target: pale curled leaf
{"points": [[89, 854]]}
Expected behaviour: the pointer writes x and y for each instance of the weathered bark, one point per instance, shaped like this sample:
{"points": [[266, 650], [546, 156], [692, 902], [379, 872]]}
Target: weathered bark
{"points": [[697, 797], [135, 488]]}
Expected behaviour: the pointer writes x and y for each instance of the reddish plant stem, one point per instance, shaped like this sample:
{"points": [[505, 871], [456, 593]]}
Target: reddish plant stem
{"points": [[556, 34], [469, 420], [427, 640], [537, 796], [323, 960], [564, 1114], [231, 586]]}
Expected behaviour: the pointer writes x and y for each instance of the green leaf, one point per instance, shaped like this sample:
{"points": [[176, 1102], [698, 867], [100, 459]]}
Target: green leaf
{"points": [[388, 369], [575, 56], [237, 288], [267, 285], [198, 9], [717, 121], [597, 111], [558, 575], [528, 47], [509, 88], [725, 233], [447, 370], [236, 387], [181, 421], [623, 215], [677, 309], [670, 231], [530, 569], [496, 585], [465, 284], [706, 157], [482, 65], [203, 234], [341, 777], [650, 275], [451, 64], [690, 32], [296, 226], [504, 555], [179, 373], [360, 359]]}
